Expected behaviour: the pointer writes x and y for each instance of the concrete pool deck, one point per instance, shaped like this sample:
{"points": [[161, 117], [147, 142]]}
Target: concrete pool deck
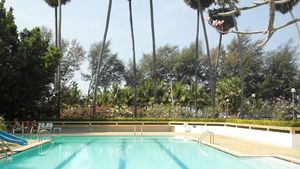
{"points": [[234, 146]]}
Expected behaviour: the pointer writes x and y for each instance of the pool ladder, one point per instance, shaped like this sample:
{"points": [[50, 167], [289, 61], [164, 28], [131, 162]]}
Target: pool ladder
{"points": [[141, 131], [6, 149], [43, 133], [204, 135]]}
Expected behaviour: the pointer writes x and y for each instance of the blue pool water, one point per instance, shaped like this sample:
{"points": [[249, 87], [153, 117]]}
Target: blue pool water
{"points": [[70, 152]]}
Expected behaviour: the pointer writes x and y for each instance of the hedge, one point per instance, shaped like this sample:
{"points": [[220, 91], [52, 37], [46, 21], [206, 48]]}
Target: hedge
{"points": [[241, 121]]}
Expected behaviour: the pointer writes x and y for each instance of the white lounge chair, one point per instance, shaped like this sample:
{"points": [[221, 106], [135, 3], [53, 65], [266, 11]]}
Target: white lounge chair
{"points": [[49, 126]]}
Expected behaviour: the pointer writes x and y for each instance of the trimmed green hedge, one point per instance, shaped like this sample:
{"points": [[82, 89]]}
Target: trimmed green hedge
{"points": [[241, 121]]}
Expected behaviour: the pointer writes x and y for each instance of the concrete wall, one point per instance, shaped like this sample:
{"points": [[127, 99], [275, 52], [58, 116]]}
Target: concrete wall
{"points": [[114, 128], [263, 136]]}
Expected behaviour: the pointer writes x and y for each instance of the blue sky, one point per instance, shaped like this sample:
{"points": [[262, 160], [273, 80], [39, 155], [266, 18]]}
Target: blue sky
{"points": [[174, 23]]}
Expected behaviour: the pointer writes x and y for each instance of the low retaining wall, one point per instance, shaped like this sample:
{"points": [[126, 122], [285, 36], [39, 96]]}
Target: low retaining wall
{"points": [[114, 126], [279, 136], [274, 135]]}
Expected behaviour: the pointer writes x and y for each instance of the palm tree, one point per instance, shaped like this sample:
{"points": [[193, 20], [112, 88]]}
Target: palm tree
{"points": [[54, 4], [57, 4], [153, 51], [200, 6], [223, 24], [133, 57], [239, 52], [100, 56]]}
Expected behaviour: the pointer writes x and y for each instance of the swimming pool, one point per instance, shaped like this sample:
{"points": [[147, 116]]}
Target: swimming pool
{"points": [[74, 152]]}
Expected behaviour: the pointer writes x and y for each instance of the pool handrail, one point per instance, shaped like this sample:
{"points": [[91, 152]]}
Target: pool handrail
{"points": [[44, 132], [211, 137]]}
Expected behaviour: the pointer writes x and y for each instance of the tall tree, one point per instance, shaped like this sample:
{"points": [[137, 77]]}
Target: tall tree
{"points": [[111, 68], [165, 58], [154, 74], [33, 63], [253, 60], [280, 72], [133, 57], [101, 56], [200, 6], [57, 4], [73, 55], [223, 24], [54, 4]]}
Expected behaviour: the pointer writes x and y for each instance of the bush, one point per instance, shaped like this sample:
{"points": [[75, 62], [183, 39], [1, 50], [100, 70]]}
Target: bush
{"points": [[166, 111], [2, 124]]}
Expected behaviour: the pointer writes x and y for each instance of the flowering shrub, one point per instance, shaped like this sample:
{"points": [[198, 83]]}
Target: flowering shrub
{"points": [[279, 108], [166, 111]]}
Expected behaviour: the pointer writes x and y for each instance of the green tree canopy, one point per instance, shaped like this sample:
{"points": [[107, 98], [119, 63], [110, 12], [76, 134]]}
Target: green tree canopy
{"points": [[112, 68]]}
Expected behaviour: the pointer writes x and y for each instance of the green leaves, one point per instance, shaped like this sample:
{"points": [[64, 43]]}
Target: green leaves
{"points": [[112, 68], [54, 3], [204, 3], [27, 67]]}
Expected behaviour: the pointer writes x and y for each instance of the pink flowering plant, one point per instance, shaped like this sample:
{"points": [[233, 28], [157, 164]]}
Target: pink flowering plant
{"points": [[221, 23]]}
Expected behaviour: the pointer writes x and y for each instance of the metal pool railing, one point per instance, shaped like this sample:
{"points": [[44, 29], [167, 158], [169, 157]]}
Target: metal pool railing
{"points": [[211, 137], [6, 149], [43, 133]]}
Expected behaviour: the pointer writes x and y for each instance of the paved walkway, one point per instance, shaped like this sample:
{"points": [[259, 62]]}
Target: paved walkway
{"points": [[241, 147]]}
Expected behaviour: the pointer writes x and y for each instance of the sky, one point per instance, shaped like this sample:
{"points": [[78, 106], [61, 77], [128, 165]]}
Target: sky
{"points": [[175, 24]]}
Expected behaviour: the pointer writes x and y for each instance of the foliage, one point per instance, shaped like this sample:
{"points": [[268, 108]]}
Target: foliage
{"points": [[112, 69], [227, 21], [278, 108], [165, 58], [29, 64], [165, 111], [253, 66], [73, 56], [2, 123], [54, 3], [286, 7], [283, 123], [204, 3], [228, 94], [118, 112], [72, 95], [280, 72]]}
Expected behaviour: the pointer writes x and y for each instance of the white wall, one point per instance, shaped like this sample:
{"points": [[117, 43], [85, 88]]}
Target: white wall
{"points": [[268, 137]]}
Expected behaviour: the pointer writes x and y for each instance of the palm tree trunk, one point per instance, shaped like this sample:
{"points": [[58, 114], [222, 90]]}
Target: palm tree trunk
{"points": [[213, 102], [216, 70], [153, 52], [196, 61], [101, 56], [56, 45], [59, 66], [56, 33], [239, 50], [133, 57], [219, 52], [297, 26], [241, 68]]}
